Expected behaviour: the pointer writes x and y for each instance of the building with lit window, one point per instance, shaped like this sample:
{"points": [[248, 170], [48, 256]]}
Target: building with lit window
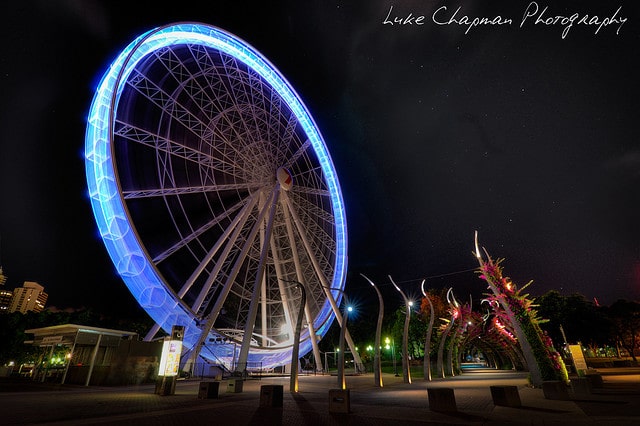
{"points": [[29, 297], [5, 300]]}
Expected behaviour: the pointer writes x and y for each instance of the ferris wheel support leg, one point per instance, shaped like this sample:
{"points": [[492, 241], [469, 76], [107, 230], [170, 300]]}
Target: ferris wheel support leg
{"points": [[314, 339], [299, 276], [258, 283], [323, 279], [215, 311], [152, 332]]}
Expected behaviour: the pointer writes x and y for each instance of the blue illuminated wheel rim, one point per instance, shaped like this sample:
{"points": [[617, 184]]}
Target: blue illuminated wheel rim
{"points": [[214, 194]]}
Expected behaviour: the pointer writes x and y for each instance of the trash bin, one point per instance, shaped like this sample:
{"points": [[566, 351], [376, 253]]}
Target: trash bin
{"points": [[208, 390], [271, 396], [234, 386]]}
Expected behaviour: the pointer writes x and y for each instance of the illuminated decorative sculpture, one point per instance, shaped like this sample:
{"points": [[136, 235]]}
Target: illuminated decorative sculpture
{"points": [[444, 335], [543, 361]]}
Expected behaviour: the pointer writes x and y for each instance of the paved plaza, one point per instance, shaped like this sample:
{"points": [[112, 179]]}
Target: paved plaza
{"points": [[397, 403]]}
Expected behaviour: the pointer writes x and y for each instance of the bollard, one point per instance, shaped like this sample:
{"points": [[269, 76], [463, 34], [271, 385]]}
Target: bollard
{"points": [[208, 390], [506, 396], [339, 401], [271, 396], [442, 399], [234, 386]]}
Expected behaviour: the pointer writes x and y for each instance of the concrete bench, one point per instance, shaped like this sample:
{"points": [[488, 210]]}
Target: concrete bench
{"points": [[555, 389], [235, 386], [339, 401], [442, 399], [208, 390], [271, 396], [506, 396]]}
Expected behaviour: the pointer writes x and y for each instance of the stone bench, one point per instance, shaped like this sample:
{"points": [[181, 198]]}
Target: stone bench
{"points": [[235, 386], [555, 389], [271, 396], [506, 396], [339, 401], [442, 399], [208, 390]]}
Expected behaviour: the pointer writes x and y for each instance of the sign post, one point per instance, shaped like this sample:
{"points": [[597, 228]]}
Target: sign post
{"points": [[579, 363], [170, 362]]}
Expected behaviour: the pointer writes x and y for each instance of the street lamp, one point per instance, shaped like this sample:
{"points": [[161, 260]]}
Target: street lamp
{"points": [[406, 371], [342, 383], [377, 364], [392, 344], [427, 343]]}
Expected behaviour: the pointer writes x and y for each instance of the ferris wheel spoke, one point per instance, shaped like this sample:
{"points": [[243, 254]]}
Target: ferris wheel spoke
{"points": [[197, 232], [211, 106], [259, 280], [173, 109], [224, 292], [296, 155], [235, 225], [165, 192], [316, 291], [312, 215], [312, 191], [283, 292], [213, 160], [310, 252]]}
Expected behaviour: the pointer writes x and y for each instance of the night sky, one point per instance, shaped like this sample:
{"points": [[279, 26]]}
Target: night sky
{"points": [[525, 132]]}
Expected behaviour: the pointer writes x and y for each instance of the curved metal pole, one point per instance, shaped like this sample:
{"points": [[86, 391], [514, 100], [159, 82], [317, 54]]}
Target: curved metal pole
{"points": [[443, 338], [449, 362], [406, 372], [427, 342], [377, 365]]}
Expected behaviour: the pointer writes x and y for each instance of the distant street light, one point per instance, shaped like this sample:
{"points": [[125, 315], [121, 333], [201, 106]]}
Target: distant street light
{"points": [[392, 344]]}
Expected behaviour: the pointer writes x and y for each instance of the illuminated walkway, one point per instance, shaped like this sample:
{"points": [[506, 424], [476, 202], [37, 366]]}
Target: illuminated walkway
{"points": [[397, 403]]}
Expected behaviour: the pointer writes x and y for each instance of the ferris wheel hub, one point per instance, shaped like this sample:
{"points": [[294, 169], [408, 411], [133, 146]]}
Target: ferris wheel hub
{"points": [[284, 178]]}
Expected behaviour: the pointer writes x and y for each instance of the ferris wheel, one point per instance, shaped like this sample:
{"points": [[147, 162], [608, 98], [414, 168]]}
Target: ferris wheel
{"points": [[215, 195]]}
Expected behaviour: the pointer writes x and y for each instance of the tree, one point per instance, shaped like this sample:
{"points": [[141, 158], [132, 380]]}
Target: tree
{"points": [[581, 320], [625, 321]]}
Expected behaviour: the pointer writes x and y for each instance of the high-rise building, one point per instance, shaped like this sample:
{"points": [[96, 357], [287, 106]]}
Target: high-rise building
{"points": [[5, 300], [29, 297], [5, 295]]}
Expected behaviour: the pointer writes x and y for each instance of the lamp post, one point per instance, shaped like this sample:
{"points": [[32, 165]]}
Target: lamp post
{"points": [[345, 316], [427, 343], [406, 372], [377, 365]]}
